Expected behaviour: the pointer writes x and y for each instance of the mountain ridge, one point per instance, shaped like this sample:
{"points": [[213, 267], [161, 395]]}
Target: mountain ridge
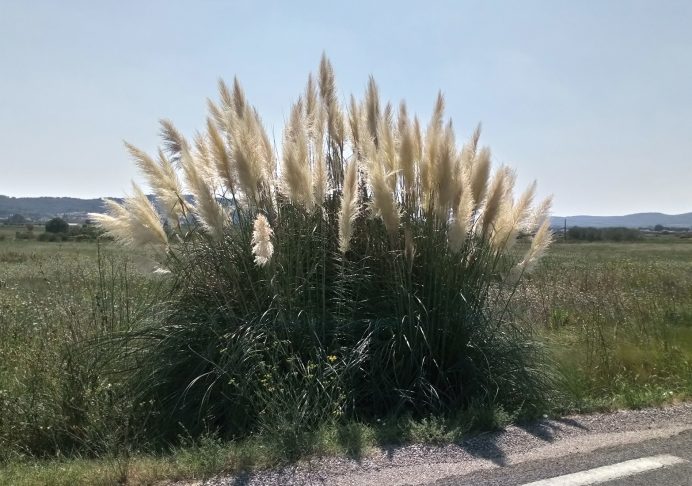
{"points": [[633, 220], [45, 207]]}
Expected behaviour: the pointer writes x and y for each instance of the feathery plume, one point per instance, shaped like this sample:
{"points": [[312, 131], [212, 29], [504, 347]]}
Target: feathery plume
{"points": [[511, 218], [216, 114], [247, 161], [433, 140], [319, 174], [493, 202], [206, 208], [461, 223], [220, 157], [173, 140], [349, 206], [354, 124], [445, 185], [522, 209], [539, 245], [145, 225], [162, 179], [311, 104], [540, 213], [296, 173], [225, 95], [134, 223], [115, 222], [169, 191], [266, 151], [480, 173], [468, 152], [372, 108], [383, 200], [387, 148], [327, 85], [205, 160], [145, 163], [262, 247], [239, 101], [407, 150]]}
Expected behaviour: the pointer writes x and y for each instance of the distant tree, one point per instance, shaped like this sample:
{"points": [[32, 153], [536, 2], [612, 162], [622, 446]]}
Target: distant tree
{"points": [[658, 227], [16, 219], [29, 227], [603, 234], [57, 225]]}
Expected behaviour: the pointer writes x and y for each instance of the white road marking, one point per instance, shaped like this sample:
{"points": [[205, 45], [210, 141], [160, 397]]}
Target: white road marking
{"points": [[609, 473]]}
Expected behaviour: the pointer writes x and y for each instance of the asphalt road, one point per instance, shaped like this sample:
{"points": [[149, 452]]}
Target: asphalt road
{"points": [[680, 474], [645, 447]]}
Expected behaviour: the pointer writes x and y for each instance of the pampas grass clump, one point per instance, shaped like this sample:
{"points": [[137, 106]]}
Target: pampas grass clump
{"points": [[363, 268]]}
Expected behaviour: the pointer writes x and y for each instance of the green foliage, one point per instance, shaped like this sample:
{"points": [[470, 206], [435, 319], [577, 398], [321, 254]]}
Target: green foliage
{"points": [[57, 225], [60, 390], [616, 317], [318, 335], [603, 234], [15, 219], [24, 235]]}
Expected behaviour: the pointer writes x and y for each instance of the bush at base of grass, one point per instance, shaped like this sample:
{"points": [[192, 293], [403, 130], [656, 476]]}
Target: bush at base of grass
{"points": [[270, 350]]}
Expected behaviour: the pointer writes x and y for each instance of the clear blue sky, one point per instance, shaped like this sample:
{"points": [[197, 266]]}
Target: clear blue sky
{"points": [[592, 98]]}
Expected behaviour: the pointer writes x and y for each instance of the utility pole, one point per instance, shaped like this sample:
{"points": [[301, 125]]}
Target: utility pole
{"points": [[565, 231]]}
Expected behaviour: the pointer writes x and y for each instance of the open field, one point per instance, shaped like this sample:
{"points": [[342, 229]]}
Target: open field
{"points": [[617, 318]]}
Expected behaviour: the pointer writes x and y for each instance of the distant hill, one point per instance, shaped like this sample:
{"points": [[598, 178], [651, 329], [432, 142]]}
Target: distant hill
{"points": [[37, 208], [43, 208], [638, 220]]}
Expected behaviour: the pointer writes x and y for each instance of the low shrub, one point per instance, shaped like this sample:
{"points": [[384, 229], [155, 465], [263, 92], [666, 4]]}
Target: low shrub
{"points": [[24, 235]]}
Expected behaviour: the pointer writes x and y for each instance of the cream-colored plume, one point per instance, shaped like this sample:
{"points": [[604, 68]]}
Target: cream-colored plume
{"points": [[512, 218], [335, 119], [446, 181], [480, 173], [349, 206], [387, 148], [493, 202], [317, 155], [372, 108], [206, 208], [163, 181], [354, 123], [429, 164], [262, 247], [245, 148], [407, 174], [407, 152], [145, 223], [461, 223], [296, 172], [539, 245], [220, 156], [383, 200], [115, 222], [134, 223], [540, 213]]}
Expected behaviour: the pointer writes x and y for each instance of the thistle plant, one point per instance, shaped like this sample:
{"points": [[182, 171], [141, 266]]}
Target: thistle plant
{"points": [[364, 237]]}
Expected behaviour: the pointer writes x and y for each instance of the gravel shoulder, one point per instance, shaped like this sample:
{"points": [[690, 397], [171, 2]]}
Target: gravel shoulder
{"points": [[538, 441]]}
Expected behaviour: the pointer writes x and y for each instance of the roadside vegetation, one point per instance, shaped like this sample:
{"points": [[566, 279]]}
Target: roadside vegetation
{"points": [[368, 288]]}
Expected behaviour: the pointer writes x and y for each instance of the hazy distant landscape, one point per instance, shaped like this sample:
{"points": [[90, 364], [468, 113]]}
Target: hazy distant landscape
{"points": [[71, 208], [637, 220]]}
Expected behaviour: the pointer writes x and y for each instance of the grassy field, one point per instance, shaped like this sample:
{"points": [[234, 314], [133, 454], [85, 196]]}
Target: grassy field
{"points": [[616, 317]]}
